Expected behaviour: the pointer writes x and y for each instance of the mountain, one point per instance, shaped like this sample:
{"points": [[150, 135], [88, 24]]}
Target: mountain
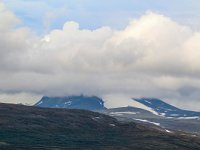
{"points": [[77, 102], [147, 111], [132, 114], [151, 112], [152, 105], [167, 110], [27, 127]]}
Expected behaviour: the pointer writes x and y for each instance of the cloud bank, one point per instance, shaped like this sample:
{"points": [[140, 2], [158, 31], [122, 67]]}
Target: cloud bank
{"points": [[153, 56]]}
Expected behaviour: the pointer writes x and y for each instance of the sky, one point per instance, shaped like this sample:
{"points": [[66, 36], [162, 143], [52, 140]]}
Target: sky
{"points": [[138, 48]]}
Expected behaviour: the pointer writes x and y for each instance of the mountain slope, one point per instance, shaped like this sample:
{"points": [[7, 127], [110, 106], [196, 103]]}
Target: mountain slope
{"points": [[117, 101], [23, 127], [167, 110], [131, 114]]}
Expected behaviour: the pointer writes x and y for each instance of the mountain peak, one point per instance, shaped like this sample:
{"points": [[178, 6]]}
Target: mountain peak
{"points": [[73, 102]]}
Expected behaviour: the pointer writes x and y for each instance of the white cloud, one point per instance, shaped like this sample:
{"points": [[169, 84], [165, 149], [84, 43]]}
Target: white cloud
{"points": [[25, 98], [9, 19], [152, 56]]}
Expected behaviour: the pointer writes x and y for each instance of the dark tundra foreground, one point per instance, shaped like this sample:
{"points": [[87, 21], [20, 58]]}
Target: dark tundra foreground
{"points": [[23, 128]]}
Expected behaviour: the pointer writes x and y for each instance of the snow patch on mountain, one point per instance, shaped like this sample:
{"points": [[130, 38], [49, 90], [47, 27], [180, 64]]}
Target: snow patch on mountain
{"points": [[147, 121], [195, 117], [168, 131], [123, 113], [40, 103], [68, 103]]}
